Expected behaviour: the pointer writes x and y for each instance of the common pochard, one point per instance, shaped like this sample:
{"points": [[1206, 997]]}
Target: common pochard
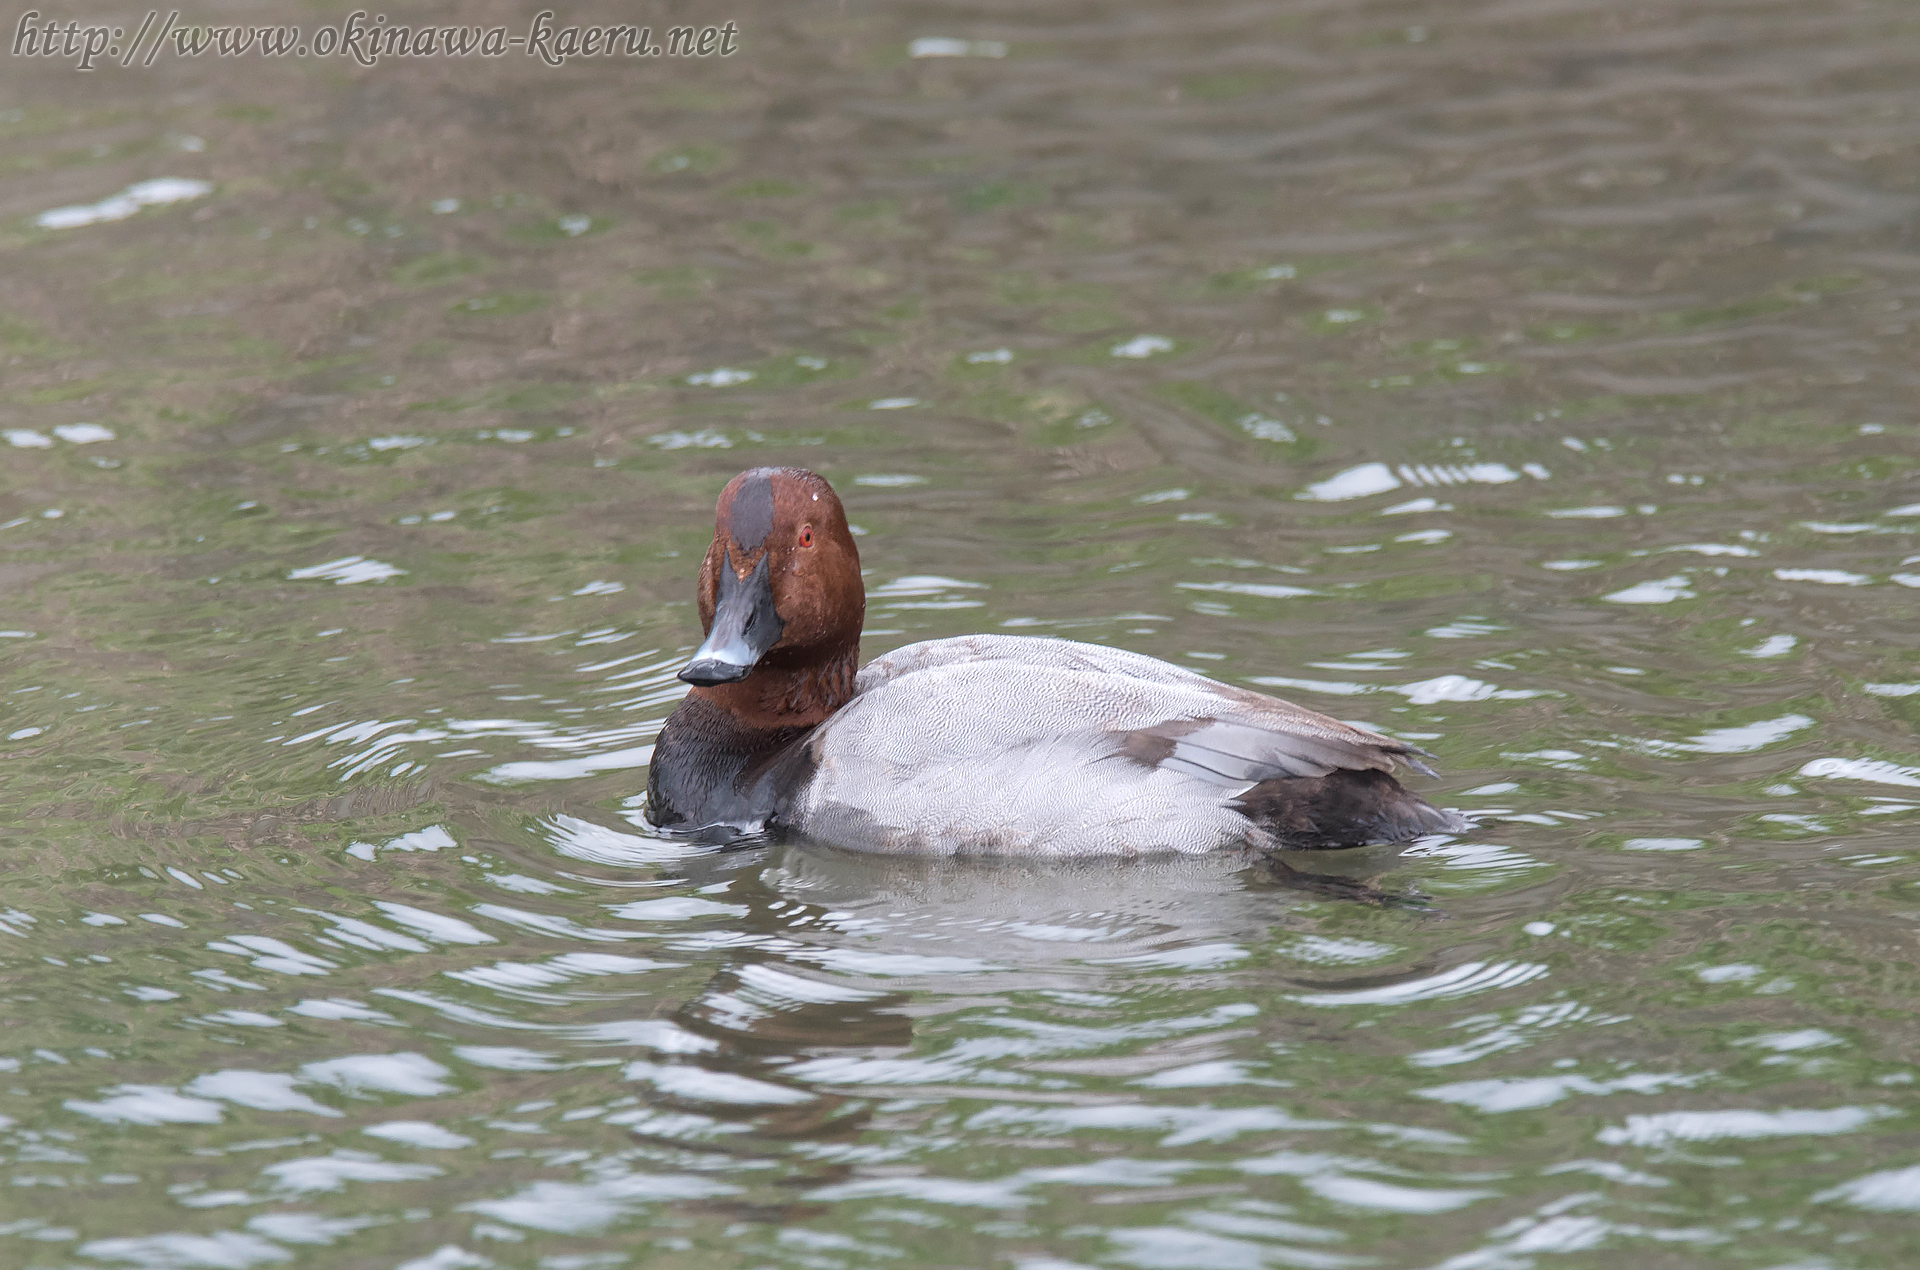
{"points": [[981, 744]]}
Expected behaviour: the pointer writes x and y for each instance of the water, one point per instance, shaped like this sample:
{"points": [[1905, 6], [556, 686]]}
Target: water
{"points": [[1534, 380]]}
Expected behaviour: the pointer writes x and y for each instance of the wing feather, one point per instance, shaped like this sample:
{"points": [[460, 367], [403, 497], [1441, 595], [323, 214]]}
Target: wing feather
{"points": [[1148, 711]]}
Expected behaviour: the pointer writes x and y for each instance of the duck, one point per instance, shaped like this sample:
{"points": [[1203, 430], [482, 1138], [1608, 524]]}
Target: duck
{"points": [[981, 745]]}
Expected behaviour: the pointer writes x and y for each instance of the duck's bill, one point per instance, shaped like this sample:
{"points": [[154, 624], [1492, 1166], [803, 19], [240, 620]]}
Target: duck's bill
{"points": [[745, 626]]}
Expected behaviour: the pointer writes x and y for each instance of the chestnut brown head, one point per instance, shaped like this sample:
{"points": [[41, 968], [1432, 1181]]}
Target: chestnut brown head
{"points": [[780, 586]]}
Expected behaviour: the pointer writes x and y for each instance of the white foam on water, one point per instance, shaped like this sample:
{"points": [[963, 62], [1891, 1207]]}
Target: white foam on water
{"points": [[1806, 1038], [1829, 577], [1463, 980], [527, 771], [1528, 1093], [720, 377], [945, 46], [339, 1008], [1668, 1127], [676, 908], [1354, 482], [331, 1172], [1662, 844], [347, 571], [1772, 646], [704, 439], [155, 193], [438, 927], [225, 1249], [307, 1228], [586, 1208], [147, 1104], [1889, 1191], [681, 1080], [407, 1073], [263, 1091], [1367, 1192], [1658, 591], [83, 433], [507, 1058], [419, 1133], [1863, 769], [1260, 590], [1141, 346], [1747, 737]]}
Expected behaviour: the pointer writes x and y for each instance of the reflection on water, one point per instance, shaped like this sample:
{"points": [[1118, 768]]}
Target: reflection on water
{"points": [[1534, 382]]}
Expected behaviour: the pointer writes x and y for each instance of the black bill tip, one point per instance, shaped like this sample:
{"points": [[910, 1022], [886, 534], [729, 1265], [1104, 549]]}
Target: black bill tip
{"points": [[705, 672]]}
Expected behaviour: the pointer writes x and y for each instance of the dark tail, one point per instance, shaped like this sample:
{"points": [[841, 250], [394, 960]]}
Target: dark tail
{"points": [[1342, 809]]}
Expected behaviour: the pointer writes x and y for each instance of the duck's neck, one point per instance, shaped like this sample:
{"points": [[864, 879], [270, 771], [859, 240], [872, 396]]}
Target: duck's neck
{"points": [[783, 694]]}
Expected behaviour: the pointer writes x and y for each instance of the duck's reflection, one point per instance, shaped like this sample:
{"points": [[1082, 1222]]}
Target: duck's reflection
{"points": [[847, 1014], [847, 949]]}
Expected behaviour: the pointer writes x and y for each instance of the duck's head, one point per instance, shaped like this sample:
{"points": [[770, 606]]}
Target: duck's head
{"points": [[780, 587]]}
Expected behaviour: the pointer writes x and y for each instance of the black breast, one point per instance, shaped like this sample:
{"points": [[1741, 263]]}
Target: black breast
{"points": [[708, 771]]}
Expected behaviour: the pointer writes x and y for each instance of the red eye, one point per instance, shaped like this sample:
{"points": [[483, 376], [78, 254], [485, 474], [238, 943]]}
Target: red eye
{"points": [[806, 535]]}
